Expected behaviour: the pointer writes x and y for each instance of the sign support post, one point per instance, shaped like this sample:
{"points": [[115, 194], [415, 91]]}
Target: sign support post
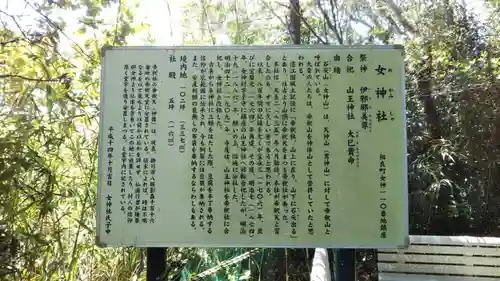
{"points": [[156, 263], [345, 265]]}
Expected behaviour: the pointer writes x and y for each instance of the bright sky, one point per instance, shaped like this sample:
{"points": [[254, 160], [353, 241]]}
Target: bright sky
{"points": [[154, 12]]}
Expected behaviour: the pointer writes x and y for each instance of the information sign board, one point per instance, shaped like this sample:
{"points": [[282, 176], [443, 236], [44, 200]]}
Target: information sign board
{"points": [[251, 146]]}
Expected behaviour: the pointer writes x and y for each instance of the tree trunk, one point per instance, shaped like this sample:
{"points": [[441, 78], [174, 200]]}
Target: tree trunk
{"points": [[294, 25], [425, 89]]}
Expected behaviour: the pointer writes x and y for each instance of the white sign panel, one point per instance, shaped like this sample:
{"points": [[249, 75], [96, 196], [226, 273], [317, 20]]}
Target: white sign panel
{"points": [[282, 146]]}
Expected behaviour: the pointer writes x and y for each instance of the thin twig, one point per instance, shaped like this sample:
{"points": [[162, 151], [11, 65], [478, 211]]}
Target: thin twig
{"points": [[209, 24], [363, 22], [309, 27], [84, 206], [238, 27], [31, 41], [17, 24], [336, 22], [399, 14], [55, 25], [15, 40], [169, 17], [28, 78], [283, 22], [140, 267], [117, 22], [325, 32], [332, 26]]}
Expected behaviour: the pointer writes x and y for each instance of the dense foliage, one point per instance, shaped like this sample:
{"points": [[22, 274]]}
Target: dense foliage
{"points": [[49, 107]]}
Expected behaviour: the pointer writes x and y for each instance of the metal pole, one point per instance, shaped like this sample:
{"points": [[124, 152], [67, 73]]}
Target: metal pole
{"points": [[156, 264], [345, 265]]}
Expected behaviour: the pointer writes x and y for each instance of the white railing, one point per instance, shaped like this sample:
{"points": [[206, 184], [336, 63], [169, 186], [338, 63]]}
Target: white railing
{"points": [[442, 258]]}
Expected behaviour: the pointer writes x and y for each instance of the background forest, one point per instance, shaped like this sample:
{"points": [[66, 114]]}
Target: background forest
{"points": [[49, 106]]}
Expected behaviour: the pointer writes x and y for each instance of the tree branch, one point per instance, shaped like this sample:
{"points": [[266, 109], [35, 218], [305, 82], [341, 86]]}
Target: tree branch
{"points": [[56, 26], [283, 22], [209, 24], [394, 24], [338, 28], [169, 18], [29, 78], [399, 15], [310, 28], [17, 24], [115, 39], [363, 22], [332, 26], [15, 40]]}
